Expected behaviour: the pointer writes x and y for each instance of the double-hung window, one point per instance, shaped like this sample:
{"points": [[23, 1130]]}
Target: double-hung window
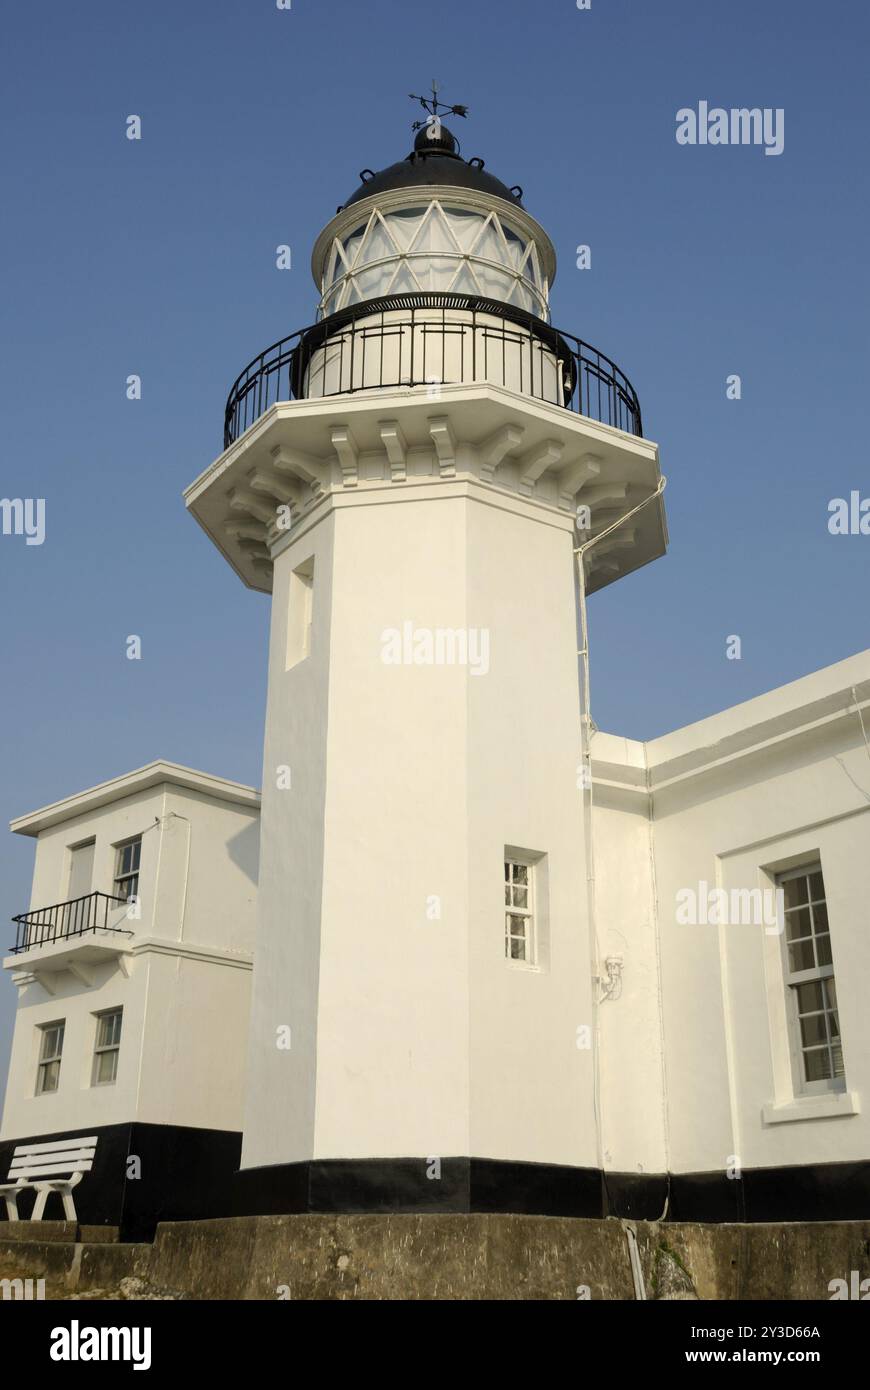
{"points": [[809, 977], [50, 1049], [127, 869], [107, 1047]]}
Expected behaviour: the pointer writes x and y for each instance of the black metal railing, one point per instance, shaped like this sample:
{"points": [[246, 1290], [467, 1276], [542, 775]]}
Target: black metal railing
{"points": [[420, 339], [74, 918]]}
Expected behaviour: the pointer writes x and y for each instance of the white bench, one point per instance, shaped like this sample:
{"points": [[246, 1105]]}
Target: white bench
{"points": [[55, 1165]]}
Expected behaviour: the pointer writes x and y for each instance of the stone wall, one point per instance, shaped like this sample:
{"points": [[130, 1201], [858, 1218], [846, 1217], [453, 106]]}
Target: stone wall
{"points": [[442, 1257]]}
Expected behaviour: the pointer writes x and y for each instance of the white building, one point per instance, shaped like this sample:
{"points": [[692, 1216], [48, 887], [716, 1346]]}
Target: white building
{"points": [[133, 972], [501, 961]]}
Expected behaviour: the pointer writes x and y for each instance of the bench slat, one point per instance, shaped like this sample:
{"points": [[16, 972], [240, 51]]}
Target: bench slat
{"points": [[76, 1141], [40, 1170], [66, 1156]]}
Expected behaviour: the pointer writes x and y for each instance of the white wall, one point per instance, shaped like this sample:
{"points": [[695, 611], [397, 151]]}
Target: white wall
{"points": [[280, 1083], [77, 1103], [531, 1093], [723, 986], [775, 783], [417, 1035], [183, 982]]}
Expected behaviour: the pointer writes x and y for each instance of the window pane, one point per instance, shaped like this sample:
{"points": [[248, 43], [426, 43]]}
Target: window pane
{"points": [[404, 224], [516, 925], [109, 1032], [521, 873], [830, 993], [52, 1041], [795, 890], [801, 955], [507, 895], [818, 1065], [817, 886], [823, 950], [464, 225], [810, 998], [521, 896], [106, 1068], [518, 950], [351, 244], [813, 1031], [837, 1052], [798, 924], [820, 918]]}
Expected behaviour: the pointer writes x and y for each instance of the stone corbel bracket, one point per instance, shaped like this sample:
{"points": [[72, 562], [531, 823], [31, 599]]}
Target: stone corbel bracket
{"points": [[445, 446], [492, 452], [396, 449], [575, 476], [347, 453], [535, 463]]}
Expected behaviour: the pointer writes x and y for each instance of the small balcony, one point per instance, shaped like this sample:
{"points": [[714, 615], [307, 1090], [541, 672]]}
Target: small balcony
{"points": [[87, 929], [411, 340]]}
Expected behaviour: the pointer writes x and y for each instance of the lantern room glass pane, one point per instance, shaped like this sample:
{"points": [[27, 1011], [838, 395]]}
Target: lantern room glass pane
{"points": [[351, 245], [464, 225], [491, 247], [376, 245], [434, 235], [405, 282], [515, 245], [404, 223]]}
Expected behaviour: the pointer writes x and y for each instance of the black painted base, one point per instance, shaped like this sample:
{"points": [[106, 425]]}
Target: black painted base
{"points": [[822, 1192], [148, 1173], [143, 1174]]}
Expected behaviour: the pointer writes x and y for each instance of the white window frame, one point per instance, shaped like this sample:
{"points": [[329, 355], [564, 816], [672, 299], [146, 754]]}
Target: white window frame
{"points": [[513, 892], [821, 974], [122, 879], [102, 1049], [48, 1064]]}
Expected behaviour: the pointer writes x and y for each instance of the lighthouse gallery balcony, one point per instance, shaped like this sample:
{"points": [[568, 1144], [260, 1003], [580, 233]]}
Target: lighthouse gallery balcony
{"points": [[432, 339]]}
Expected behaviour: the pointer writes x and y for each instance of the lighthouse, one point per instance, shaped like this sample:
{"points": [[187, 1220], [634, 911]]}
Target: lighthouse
{"points": [[412, 479]]}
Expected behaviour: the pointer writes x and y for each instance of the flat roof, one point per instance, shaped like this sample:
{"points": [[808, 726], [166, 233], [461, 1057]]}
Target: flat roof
{"points": [[156, 774]]}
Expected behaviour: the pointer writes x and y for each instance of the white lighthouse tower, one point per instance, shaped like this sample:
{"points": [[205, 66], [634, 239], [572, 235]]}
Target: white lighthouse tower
{"points": [[404, 479]]}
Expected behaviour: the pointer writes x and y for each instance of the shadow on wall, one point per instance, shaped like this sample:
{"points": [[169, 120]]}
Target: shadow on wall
{"points": [[244, 851]]}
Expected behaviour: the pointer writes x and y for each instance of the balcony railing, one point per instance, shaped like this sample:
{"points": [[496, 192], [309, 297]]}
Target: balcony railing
{"points": [[428, 339], [65, 920]]}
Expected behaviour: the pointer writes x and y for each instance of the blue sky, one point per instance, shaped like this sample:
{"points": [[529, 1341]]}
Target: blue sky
{"points": [[158, 258]]}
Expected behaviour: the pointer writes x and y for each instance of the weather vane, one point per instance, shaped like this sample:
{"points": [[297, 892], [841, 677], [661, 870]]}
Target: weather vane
{"points": [[435, 108]]}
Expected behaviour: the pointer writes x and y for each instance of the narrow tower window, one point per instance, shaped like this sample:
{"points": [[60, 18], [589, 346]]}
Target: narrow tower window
{"points": [[519, 916], [299, 613]]}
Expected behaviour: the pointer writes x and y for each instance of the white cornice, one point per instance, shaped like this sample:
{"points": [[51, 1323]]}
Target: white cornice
{"points": [[156, 774], [804, 711], [541, 452]]}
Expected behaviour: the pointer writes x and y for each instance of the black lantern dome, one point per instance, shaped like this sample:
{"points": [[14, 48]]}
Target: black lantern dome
{"points": [[434, 160]]}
